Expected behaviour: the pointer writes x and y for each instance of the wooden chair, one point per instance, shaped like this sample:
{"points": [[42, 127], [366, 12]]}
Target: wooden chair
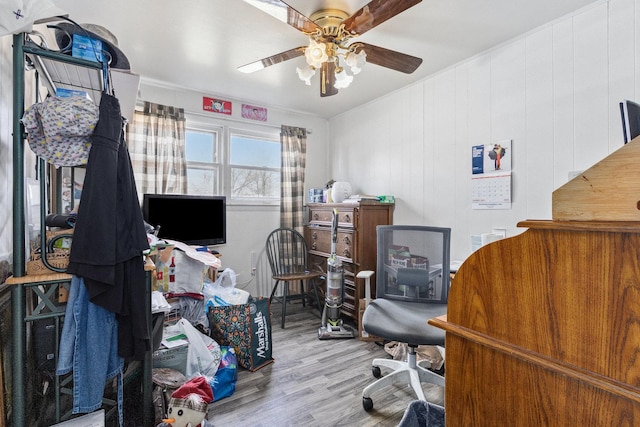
{"points": [[287, 254]]}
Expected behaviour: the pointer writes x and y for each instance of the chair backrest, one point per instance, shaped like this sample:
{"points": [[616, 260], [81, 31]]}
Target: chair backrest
{"points": [[286, 251], [413, 263]]}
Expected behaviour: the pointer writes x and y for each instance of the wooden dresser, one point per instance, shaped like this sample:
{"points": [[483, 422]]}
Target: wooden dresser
{"points": [[543, 329], [356, 245]]}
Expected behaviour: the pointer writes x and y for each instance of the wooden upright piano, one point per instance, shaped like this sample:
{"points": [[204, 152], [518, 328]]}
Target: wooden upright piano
{"points": [[543, 329]]}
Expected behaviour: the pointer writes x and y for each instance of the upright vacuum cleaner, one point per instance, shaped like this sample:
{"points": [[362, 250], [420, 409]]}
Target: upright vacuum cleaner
{"points": [[332, 326]]}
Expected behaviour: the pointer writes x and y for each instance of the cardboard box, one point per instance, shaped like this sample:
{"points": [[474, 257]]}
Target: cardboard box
{"points": [[400, 261], [397, 250], [174, 358], [56, 259], [59, 258], [420, 262]]}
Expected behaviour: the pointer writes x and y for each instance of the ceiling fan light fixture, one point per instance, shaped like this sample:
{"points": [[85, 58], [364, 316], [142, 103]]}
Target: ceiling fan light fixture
{"points": [[316, 53], [330, 32], [356, 61], [306, 73], [343, 80]]}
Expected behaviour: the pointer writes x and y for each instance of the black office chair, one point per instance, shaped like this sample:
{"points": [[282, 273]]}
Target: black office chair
{"points": [[287, 254], [412, 284]]}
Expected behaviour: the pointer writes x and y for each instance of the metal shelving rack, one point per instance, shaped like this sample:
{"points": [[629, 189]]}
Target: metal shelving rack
{"points": [[57, 70]]}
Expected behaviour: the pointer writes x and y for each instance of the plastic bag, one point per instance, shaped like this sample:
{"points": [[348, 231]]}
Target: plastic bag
{"points": [[193, 310], [223, 292], [430, 353], [224, 383], [203, 355], [226, 278]]}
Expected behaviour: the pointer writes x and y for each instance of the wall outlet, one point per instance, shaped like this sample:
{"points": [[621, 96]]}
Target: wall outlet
{"points": [[253, 263], [502, 232]]}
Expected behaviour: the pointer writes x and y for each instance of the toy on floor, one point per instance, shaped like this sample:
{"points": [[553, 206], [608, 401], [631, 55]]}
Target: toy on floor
{"points": [[188, 404]]}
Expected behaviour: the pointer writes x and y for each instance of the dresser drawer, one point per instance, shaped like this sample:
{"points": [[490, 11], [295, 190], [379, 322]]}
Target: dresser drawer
{"points": [[317, 262], [319, 241], [323, 215], [349, 302]]}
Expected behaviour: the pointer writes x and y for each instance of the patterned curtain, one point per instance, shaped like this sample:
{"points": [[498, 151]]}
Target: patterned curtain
{"points": [[294, 153], [156, 140]]}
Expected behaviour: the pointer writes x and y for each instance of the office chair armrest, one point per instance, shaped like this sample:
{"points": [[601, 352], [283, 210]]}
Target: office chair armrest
{"points": [[366, 275]]}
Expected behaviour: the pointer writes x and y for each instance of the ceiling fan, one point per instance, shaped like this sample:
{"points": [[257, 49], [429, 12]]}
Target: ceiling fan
{"points": [[331, 47]]}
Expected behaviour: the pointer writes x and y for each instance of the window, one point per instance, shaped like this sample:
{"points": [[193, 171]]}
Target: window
{"points": [[255, 167], [202, 150], [242, 164]]}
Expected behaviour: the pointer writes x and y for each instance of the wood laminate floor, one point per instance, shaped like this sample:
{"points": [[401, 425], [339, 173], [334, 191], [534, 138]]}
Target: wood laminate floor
{"points": [[313, 382]]}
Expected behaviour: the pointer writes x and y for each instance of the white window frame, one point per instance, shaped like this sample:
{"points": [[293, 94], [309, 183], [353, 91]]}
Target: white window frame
{"points": [[199, 123], [219, 167]]}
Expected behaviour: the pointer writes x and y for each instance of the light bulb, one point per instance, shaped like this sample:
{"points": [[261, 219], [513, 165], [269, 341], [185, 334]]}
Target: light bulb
{"points": [[343, 79], [356, 61], [305, 74], [316, 53]]}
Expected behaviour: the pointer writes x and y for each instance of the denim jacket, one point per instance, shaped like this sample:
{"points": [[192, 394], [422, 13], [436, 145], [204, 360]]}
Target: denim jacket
{"points": [[89, 348]]}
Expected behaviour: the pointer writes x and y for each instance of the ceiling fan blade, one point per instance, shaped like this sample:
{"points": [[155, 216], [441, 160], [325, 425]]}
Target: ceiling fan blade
{"points": [[328, 79], [285, 13], [375, 13], [272, 60], [390, 58]]}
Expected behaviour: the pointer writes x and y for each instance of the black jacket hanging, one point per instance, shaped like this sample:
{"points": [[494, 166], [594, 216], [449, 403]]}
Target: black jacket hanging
{"points": [[109, 235]]}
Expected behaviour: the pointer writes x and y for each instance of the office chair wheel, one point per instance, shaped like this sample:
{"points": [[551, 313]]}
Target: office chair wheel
{"points": [[375, 370], [367, 403]]}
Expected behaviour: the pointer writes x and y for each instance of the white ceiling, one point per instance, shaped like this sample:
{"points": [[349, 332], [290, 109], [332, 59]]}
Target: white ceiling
{"points": [[198, 44]]}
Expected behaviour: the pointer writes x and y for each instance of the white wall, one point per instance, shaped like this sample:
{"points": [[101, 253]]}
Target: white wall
{"points": [[248, 226], [554, 92], [6, 147], [6, 150]]}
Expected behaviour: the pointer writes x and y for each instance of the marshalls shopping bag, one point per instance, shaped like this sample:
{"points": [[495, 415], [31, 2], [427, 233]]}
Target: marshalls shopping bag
{"points": [[247, 328]]}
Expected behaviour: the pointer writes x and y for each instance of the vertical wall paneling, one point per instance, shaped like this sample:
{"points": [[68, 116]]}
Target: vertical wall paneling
{"points": [[479, 99], [414, 159], [553, 92], [462, 166], [591, 86], [428, 179], [508, 122], [636, 63], [394, 107], [621, 50], [444, 118], [384, 143], [539, 124], [6, 149], [563, 101], [334, 147]]}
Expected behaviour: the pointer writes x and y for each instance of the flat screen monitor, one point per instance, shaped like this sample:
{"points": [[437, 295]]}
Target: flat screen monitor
{"points": [[194, 220], [630, 112]]}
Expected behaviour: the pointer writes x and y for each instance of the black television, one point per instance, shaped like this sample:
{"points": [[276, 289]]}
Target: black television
{"points": [[630, 113], [194, 220]]}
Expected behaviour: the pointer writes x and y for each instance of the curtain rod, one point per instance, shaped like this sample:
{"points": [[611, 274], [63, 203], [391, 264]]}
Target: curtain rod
{"points": [[140, 104]]}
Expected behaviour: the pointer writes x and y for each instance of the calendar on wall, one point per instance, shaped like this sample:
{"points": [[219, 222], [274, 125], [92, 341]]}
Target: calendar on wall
{"points": [[491, 176]]}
